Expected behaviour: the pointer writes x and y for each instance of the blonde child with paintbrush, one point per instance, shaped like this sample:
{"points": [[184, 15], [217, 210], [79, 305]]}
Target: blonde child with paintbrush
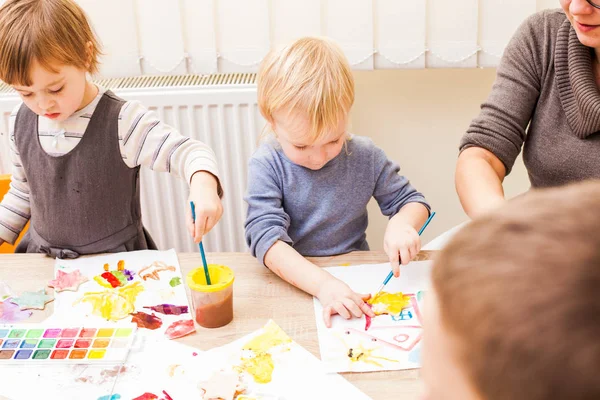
{"points": [[310, 183], [76, 148]]}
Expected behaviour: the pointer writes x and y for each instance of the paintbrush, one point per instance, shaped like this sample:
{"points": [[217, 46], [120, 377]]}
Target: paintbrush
{"points": [[201, 247], [387, 279]]}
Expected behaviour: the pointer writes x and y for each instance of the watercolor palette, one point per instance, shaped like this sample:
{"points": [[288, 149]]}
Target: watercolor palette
{"points": [[32, 343]]}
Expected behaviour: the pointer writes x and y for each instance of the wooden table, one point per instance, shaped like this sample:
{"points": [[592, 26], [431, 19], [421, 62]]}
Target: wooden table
{"points": [[259, 295]]}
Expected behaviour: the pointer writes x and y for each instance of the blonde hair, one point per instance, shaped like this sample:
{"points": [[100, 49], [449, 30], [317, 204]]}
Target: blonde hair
{"points": [[46, 31], [311, 76]]}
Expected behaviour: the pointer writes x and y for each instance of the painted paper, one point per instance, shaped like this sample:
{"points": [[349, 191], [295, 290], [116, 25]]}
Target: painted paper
{"points": [[391, 340], [128, 287]]}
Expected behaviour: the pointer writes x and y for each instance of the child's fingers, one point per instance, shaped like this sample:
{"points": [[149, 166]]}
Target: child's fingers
{"points": [[341, 309], [404, 255], [327, 311], [352, 306], [364, 307], [189, 222], [200, 226], [393, 255], [365, 297]]}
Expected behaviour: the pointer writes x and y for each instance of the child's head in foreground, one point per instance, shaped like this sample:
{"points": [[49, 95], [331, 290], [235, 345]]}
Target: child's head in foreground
{"points": [[305, 92], [515, 307], [46, 49]]}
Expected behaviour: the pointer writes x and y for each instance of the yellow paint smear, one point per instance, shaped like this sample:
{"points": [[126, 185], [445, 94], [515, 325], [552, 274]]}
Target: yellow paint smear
{"points": [[360, 354], [260, 367], [114, 304], [272, 336], [389, 303]]}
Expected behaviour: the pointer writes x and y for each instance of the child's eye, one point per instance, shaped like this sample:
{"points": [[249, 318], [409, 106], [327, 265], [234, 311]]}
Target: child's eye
{"points": [[300, 147], [26, 94], [57, 90]]}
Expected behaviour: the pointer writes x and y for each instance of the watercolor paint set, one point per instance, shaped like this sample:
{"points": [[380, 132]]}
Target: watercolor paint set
{"points": [[45, 343]]}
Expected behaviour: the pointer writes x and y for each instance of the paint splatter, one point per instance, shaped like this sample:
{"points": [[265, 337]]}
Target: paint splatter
{"points": [[151, 271], [10, 313], [361, 354], [32, 300], [420, 295], [113, 305], [116, 278], [175, 281], [368, 319], [147, 396], [173, 369], [110, 397], [272, 336], [260, 367], [5, 291], [67, 281], [389, 303], [180, 328], [152, 396], [148, 321], [169, 309]]}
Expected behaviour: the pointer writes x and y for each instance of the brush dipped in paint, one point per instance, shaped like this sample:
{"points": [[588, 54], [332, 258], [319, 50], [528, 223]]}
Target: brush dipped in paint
{"points": [[201, 247]]}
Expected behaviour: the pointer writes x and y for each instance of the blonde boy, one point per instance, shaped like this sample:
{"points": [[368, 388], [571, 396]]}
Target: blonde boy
{"points": [[309, 185], [515, 310]]}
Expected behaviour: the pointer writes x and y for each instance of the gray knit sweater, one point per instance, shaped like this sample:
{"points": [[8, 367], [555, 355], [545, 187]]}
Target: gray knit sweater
{"points": [[546, 100]]}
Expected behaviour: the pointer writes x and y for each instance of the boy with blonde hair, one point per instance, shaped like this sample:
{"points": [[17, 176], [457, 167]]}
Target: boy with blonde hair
{"points": [[309, 186], [76, 148], [515, 307]]}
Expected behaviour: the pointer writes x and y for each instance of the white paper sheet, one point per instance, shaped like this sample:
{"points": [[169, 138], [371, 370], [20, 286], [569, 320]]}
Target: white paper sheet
{"points": [[391, 342], [153, 291]]}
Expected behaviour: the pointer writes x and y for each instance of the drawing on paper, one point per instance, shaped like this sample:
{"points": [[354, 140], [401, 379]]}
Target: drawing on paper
{"points": [[387, 341], [143, 287]]}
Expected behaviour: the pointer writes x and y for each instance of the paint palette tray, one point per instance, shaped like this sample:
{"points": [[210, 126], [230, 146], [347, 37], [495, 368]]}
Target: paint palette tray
{"points": [[45, 343]]}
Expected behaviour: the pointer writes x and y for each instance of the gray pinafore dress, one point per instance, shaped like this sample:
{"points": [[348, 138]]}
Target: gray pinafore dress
{"points": [[86, 201]]}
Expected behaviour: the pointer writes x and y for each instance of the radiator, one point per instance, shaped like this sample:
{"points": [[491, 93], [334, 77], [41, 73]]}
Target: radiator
{"points": [[220, 110]]}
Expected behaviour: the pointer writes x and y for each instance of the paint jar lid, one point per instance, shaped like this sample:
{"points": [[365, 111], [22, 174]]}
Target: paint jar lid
{"points": [[221, 278]]}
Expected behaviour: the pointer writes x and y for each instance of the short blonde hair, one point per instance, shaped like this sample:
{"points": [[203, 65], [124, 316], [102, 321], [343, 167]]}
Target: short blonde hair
{"points": [[311, 76], [46, 31]]}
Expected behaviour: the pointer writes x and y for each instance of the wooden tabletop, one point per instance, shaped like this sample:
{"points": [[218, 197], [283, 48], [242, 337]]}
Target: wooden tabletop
{"points": [[259, 295]]}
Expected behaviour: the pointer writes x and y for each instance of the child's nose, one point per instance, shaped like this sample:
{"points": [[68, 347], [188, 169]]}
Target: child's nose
{"points": [[45, 103]]}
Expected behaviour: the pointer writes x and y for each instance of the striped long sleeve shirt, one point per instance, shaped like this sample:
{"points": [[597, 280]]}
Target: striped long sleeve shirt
{"points": [[143, 140]]}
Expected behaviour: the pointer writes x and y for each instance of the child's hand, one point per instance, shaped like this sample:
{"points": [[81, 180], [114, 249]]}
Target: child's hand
{"points": [[204, 194], [337, 298], [401, 239]]}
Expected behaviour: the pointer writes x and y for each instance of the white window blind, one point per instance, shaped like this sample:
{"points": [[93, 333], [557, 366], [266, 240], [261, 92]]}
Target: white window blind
{"points": [[208, 36]]}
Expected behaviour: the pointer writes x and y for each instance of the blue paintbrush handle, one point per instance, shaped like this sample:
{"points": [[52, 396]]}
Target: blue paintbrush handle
{"points": [[387, 279], [201, 247]]}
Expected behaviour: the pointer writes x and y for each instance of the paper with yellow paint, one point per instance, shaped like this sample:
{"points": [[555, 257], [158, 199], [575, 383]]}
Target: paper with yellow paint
{"points": [[272, 366], [391, 340], [123, 284]]}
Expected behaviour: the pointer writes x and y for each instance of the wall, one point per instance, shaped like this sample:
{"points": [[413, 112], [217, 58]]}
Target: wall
{"points": [[418, 118]]}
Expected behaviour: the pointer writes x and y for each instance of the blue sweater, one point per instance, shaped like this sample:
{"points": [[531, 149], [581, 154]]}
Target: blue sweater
{"points": [[324, 212]]}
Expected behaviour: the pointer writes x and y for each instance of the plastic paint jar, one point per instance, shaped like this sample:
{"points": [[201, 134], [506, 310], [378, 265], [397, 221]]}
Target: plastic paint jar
{"points": [[213, 304]]}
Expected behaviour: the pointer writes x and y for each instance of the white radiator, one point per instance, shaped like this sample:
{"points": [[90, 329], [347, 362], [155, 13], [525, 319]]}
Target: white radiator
{"points": [[220, 110]]}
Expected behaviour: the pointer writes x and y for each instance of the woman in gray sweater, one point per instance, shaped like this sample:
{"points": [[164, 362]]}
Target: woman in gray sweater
{"points": [[546, 99]]}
